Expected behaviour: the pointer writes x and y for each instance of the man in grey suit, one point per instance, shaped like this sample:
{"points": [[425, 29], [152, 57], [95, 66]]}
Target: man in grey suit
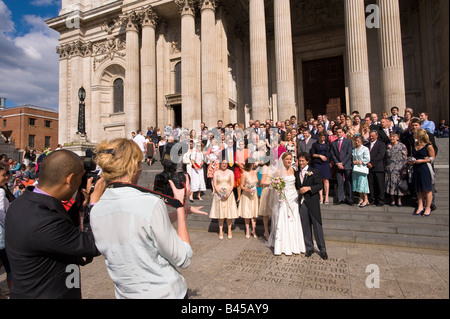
{"points": [[341, 153], [305, 145]]}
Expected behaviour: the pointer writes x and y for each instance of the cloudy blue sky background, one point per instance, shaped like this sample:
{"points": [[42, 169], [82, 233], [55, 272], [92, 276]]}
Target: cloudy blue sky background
{"points": [[29, 64]]}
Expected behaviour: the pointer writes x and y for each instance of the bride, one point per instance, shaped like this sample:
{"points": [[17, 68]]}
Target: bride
{"points": [[287, 234]]}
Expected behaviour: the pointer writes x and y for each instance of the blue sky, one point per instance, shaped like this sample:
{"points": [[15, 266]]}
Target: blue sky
{"points": [[29, 65]]}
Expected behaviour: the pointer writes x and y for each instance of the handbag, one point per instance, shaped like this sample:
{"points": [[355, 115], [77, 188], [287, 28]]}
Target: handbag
{"points": [[403, 186], [361, 169]]}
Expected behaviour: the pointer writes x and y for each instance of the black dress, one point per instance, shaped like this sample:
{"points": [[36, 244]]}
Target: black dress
{"points": [[422, 181], [317, 163]]}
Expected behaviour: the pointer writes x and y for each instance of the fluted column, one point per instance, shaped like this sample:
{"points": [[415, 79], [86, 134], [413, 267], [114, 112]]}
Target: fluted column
{"points": [[148, 69], [131, 89], [392, 72], [284, 60], [209, 63], [190, 101], [358, 62], [258, 61]]}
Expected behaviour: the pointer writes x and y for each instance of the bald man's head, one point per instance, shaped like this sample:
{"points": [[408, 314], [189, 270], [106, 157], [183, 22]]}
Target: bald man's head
{"points": [[57, 166]]}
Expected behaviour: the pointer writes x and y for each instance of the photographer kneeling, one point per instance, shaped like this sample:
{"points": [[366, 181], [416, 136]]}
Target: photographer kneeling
{"points": [[133, 229]]}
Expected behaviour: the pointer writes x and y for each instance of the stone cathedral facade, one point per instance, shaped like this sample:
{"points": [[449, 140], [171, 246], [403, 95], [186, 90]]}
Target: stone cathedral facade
{"points": [[153, 62]]}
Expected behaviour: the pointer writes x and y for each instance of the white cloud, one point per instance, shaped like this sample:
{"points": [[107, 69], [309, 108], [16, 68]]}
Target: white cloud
{"points": [[29, 63]]}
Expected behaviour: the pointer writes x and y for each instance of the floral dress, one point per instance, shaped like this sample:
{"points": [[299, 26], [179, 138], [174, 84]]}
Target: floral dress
{"points": [[396, 163]]}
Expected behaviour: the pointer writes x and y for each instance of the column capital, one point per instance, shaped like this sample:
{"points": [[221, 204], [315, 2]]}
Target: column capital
{"points": [[149, 17], [208, 4], [187, 7], [130, 20]]}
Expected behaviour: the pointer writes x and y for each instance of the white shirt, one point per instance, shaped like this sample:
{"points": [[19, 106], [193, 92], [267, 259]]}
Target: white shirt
{"points": [[142, 249], [4, 204], [140, 140]]}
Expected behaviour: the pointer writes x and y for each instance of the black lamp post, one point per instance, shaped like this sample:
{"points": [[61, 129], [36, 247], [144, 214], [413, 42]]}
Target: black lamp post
{"points": [[81, 113]]}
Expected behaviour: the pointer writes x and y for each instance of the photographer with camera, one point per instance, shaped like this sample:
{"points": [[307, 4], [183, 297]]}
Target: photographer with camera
{"points": [[133, 228], [42, 238]]}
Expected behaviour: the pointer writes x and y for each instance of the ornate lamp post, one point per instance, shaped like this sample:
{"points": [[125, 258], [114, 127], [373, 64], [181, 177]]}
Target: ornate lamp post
{"points": [[81, 113]]}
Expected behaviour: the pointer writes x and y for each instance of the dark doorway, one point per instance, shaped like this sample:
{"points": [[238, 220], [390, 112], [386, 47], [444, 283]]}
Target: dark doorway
{"points": [[178, 115], [324, 87]]}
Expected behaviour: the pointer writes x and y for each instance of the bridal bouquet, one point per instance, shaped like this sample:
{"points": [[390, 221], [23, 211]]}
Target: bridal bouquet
{"points": [[223, 192], [252, 187], [279, 185]]}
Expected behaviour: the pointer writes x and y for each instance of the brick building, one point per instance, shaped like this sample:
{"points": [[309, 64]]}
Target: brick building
{"points": [[29, 125]]}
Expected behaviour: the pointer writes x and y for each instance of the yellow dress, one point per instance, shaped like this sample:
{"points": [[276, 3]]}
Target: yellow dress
{"points": [[249, 205], [266, 195], [223, 208]]}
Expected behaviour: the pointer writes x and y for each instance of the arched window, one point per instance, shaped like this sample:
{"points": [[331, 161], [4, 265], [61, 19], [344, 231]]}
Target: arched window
{"points": [[118, 95], [178, 78]]}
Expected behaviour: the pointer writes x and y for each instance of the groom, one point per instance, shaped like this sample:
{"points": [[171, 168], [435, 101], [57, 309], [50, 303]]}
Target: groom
{"points": [[308, 182]]}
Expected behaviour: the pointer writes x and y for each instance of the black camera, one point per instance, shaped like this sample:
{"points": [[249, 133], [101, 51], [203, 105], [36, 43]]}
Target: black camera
{"points": [[89, 170], [161, 184]]}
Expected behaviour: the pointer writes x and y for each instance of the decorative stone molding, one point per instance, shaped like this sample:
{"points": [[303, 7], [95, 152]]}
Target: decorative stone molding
{"points": [[108, 49], [76, 48], [149, 17]]}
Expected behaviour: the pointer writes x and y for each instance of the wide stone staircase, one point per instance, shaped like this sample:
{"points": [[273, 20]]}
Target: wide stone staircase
{"points": [[371, 225]]}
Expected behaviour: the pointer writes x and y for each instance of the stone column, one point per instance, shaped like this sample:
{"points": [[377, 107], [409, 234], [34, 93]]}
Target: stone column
{"points": [[284, 60], [258, 61], [63, 136], [148, 69], [191, 107], [358, 62], [131, 89], [391, 52], [209, 63]]}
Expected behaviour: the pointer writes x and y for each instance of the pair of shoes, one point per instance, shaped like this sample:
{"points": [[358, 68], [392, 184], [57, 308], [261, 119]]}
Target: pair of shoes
{"points": [[417, 212], [230, 236], [191, 200], [364, 205], [321, 202], [309, 253], [426, 215], [255, 236], [323, 255], [247, 236], [326, 203], [392, 204], [221, 237]]}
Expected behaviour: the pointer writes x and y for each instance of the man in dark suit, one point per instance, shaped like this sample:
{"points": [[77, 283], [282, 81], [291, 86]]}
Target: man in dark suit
{"points": [[42, 238], [384, 131], [341, 153], [376, 168], [395, 118], [308, 182], [229, 154], [305, 145]]}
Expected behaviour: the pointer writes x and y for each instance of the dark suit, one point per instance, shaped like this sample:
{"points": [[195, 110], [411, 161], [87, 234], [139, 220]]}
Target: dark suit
{"points": [[303, 147], [343, 177], [226, 156], [310, 209], [41, 241], [376, 173], [399, 120], [383, 137]]}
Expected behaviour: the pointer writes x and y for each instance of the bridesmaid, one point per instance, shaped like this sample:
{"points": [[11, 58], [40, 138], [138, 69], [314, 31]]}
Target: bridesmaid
{"points": [[248, 207], [264, 205], [223, 204]]}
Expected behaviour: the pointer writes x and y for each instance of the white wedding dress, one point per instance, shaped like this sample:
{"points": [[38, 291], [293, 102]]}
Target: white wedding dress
{"points": [[287, 234]]}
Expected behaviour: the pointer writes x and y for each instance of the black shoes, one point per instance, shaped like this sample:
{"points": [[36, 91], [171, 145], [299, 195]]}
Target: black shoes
{"points": [[322, 255]]}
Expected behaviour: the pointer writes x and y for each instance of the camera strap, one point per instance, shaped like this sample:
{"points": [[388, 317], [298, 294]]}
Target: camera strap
{"points": [[175, 203]]}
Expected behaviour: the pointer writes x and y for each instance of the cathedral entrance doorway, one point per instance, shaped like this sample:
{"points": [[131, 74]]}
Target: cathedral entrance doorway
{"points": [[324, 87], [178, 115]]}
